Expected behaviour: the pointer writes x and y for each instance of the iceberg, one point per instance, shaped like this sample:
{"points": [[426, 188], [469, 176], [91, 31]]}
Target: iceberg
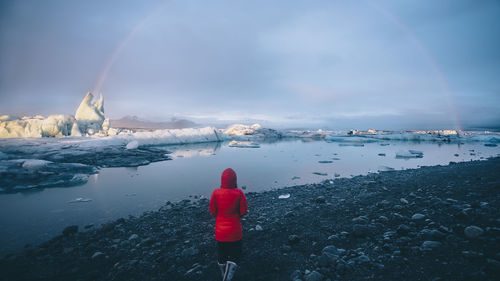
{"points": [[88, 120], [90, 115]]}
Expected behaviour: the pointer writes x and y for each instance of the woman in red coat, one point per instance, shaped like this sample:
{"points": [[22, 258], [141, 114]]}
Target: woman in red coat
{"points": [[227, 205]]}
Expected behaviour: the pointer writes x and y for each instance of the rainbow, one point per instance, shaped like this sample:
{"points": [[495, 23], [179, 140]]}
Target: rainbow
{"points": [[386, 13]]}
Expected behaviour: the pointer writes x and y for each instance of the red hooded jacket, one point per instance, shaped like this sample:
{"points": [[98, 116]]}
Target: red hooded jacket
{"points": [[227, 205]]}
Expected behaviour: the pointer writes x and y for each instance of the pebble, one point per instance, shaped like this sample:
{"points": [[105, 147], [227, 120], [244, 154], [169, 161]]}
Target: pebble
{"points": [[293, 239], [97, 255], [320, 199], [191, 251], [403, 229], [430, 245], [313, 276], [133, 236], [417, 217], [361, 230], [473, 231], [258, 228]]}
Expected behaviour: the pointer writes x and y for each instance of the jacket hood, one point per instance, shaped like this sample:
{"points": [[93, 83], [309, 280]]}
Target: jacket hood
{"points": [[228, 179]]}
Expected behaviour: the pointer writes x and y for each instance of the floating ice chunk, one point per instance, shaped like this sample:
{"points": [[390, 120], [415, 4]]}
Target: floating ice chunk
{"points": [[35, 163], [244, 144], [284, 196], [132, 145], [80, 200], [409, 154], [416, 152]]}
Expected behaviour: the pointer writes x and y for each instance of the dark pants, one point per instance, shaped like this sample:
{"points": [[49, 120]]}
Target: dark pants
{"points": [[229, 251]]}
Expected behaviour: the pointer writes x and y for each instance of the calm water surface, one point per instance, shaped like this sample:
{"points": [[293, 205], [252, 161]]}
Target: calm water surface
{"points": [[35, 216]]}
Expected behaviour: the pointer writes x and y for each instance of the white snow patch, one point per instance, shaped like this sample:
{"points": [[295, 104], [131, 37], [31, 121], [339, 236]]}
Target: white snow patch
{"points": [[284, 196]]}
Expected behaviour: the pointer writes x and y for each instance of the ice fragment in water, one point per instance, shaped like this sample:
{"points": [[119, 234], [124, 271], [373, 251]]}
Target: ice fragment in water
{"points": [[132, 145], [409, 154], [80, 199], [244, 144], [284, 196]]}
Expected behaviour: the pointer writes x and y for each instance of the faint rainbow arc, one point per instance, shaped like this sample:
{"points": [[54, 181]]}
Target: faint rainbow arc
{"points": [[427, 55], [116, 52]]}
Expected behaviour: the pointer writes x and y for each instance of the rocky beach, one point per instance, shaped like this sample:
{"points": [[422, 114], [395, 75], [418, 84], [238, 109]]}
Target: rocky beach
{"points": [[432, 223]]}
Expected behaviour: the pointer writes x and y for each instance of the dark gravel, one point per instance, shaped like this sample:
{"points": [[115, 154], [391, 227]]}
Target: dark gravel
{"points": [[432, 223]]}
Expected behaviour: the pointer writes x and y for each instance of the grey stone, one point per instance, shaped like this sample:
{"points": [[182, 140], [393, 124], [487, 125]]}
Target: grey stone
{"points": [[320, 199], [296, 275], [361, 230], [473, 231], [430, 245], [313, 276], [97, 255], [403, 229], [431, 234], [191, 251], [293, 239], [330, 249], [360, 220], [362, 259], [417, 217]]}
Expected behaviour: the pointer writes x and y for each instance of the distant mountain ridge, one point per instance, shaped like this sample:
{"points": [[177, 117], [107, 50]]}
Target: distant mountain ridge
{"points": [[134, 122]]}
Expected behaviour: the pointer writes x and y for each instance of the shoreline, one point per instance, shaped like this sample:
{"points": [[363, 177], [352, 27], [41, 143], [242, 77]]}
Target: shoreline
{"points": [[393, 225]]}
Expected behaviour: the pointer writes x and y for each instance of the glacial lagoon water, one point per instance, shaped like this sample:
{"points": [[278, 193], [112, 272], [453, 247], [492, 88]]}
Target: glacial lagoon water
{"points": [[37, 215]]}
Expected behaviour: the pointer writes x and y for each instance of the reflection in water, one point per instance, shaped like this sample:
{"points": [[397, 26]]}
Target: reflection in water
{"points": [[193, 150], [38, 215]]}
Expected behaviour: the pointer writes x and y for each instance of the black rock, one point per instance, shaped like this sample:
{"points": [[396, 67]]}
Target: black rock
{"points": [[293, 239], [361, 230], [320, 199], [403, 229], [70, 230]]}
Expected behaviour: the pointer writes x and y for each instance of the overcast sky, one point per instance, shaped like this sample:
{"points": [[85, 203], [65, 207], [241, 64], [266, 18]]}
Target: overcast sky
{"points": [[320, 64]]}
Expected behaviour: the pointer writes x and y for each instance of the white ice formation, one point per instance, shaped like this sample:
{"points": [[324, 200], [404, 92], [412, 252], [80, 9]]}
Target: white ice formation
{"points": [[243, 144], [242, 130], [89, 120], [90, 115]]}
